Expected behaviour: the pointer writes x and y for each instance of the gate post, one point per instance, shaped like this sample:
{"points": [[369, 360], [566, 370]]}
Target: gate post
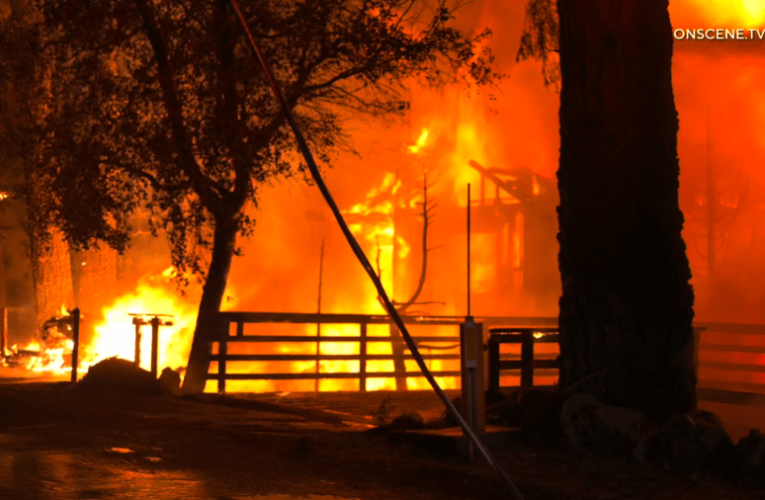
{"points": [[493, 362], [527, 358], [472, 361], [154, 345], [137, 356], [76, 341]]}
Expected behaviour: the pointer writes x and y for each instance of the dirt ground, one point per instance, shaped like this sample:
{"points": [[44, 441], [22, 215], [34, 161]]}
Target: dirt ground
{"points": [[58, 443]]}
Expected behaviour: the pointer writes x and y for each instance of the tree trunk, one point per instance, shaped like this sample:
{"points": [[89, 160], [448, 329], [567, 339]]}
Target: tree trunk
{"points": [[214, 289], [626, 309]]}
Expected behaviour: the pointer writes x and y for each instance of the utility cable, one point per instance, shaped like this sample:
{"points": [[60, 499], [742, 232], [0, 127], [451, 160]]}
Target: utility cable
{"points": [[306, 152]]}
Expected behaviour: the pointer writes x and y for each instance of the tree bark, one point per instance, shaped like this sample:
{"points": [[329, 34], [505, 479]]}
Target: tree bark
{"points": [[224, 241], [626, 309]]}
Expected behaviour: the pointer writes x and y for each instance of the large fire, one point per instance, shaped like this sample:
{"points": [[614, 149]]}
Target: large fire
{"points": [[721, 13], [115, 334], [381, 189]]}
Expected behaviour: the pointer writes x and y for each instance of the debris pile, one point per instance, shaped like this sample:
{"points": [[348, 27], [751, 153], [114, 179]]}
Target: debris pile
{"points": [[120, 376]]}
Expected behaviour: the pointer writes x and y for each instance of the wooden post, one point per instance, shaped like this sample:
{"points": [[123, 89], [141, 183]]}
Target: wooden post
{"points": [[154, 345], [75, 314], [493, 363], [137, 322], [363, 358], [4, 332], [222, 353], [527, 358]]}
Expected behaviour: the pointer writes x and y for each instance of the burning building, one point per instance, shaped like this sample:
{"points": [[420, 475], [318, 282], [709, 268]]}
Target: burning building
{"points": [[506, 149]]}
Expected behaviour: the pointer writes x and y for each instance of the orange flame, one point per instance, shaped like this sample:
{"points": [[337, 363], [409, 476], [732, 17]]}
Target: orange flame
{"points": [[115, 335], [416, 147], [721, 13]]}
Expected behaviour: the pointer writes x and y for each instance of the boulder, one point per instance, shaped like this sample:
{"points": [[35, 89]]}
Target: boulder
{"points": [[603, 430], [749, 462], [687, 443]]}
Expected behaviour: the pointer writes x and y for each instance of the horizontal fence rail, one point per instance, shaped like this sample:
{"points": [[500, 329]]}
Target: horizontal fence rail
{"points": [[740, 393], [527, 362], [732, 392], [745, 328], [526, 331], [219, 326]]}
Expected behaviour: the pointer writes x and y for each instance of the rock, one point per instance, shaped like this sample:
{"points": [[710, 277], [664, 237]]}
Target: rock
{"points": [[749, 459], [170, 381], [600, 429], [116, 375], [688, 443]]}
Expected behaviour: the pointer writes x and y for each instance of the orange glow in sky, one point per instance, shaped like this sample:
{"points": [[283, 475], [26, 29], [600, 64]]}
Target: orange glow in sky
{"points": [[718, 13]]}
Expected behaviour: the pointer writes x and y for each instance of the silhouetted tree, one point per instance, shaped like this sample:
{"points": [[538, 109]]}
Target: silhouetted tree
{"points": [[160, 105], [627, 305]]}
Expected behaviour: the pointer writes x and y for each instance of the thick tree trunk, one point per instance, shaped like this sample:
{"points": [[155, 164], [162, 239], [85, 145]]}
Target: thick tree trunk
{"points": [[212, 297], [626, 310]]}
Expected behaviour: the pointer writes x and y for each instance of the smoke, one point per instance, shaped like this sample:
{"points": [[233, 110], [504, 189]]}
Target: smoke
{"points": [[719, 101]]}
